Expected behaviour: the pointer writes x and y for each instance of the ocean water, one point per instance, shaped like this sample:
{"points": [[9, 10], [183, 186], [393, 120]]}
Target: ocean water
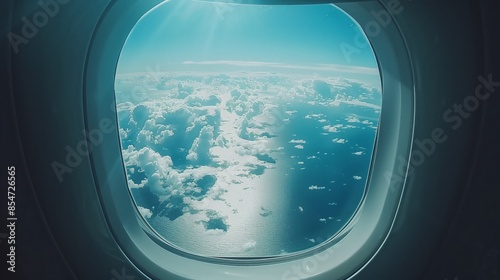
{"points": [[248, 166], [300, 217]]}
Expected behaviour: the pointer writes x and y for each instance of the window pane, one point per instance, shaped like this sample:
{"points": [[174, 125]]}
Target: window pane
{"points": [[247, 130]]}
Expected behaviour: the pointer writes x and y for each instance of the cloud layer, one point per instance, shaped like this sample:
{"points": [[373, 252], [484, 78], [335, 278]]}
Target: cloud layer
{"points": [[194, 143]]}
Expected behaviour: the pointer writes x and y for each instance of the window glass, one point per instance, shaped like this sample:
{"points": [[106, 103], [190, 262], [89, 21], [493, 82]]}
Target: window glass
{"points": [[247, 130]]}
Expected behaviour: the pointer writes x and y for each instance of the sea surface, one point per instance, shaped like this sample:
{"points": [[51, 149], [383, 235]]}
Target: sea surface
{"points": [[300, 186]]}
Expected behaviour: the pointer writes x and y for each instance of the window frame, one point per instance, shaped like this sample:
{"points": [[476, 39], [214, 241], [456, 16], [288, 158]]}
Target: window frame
{"points": [[340, 257]]}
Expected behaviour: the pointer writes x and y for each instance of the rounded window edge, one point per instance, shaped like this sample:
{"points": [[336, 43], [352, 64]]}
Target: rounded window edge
{"points": [[360, 239]]}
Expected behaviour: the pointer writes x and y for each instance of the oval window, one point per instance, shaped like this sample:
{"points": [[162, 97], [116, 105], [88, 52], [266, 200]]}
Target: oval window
{"points": [[247, 130]]}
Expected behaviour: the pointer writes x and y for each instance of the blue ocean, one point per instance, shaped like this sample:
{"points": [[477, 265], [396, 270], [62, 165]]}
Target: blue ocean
{"points": [[247, 164]]}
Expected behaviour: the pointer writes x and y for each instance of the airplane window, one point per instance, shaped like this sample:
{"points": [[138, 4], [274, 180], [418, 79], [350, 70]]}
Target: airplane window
{"points": [[247, 130]]}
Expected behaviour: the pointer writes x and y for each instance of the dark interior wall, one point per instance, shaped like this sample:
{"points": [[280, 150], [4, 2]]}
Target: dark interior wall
{"points": [[467, 246], [470, 248], [28, 238]]}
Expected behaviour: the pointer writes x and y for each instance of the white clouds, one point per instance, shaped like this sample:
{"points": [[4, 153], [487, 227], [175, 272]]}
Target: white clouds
{"points": [[340, 140], [157, 169], [293, 141], [332, 128], [358, 153], [146, 213], [352, 119], [357, 177], [315, 116], [314, 187], [356, 103], [248, 246], [144, 137], [231, 128], [314, 67], [200, 150], [133, 185], [162, 134]]}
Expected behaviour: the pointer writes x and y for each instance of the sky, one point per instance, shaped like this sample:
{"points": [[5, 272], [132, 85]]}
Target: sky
{"points": [[197, 36]]}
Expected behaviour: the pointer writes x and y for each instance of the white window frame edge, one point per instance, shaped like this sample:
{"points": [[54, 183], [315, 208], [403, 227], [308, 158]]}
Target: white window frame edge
{"points": [[338, 259]]}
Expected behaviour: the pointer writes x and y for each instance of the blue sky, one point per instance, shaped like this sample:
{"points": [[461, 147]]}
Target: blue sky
{"points": [[195, 35]]}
